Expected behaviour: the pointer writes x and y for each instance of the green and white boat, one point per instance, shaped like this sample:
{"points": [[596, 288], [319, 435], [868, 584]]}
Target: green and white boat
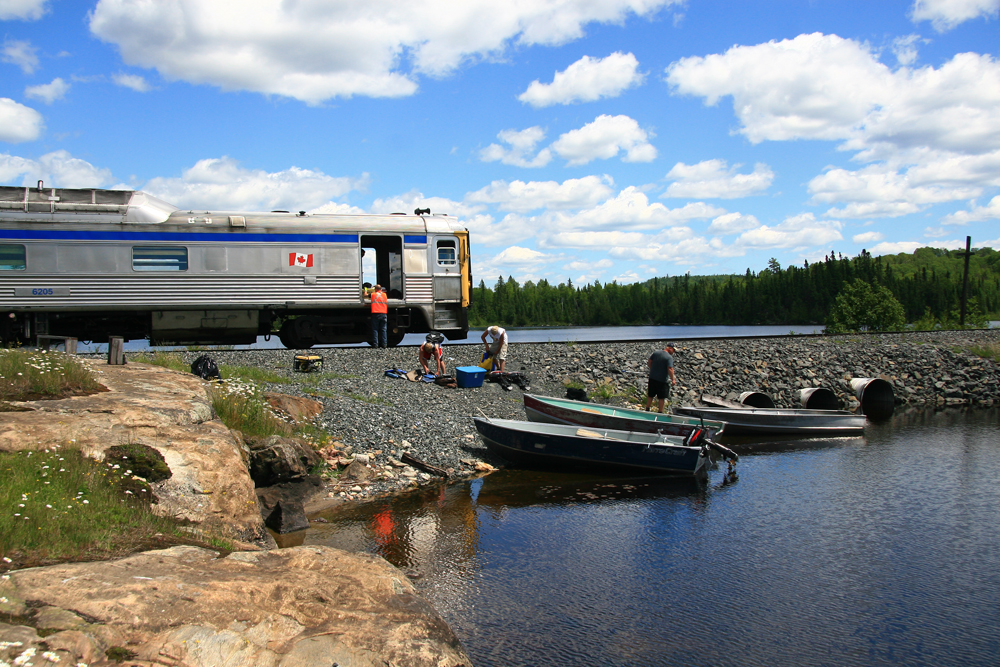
{"points": [[550, 410]]}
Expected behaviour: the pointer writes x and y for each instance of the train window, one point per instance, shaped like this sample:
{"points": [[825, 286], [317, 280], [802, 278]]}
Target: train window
{"points": [[154, 258], [12, 258], [446, 253]]}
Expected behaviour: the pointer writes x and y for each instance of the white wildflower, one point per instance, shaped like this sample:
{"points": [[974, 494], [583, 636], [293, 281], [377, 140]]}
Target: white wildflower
{"points": [[23, 659]]}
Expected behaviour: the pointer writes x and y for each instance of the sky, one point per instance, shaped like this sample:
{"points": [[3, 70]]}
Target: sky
{"points": [[583, 140]]}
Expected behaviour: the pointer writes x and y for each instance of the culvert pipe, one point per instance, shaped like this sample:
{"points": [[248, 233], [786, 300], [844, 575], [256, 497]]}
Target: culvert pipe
{"points": [[876, 396], [818, 398], [756, 399]]}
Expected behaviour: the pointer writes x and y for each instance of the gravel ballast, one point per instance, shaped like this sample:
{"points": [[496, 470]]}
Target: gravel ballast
{"points": [[381, 417]]}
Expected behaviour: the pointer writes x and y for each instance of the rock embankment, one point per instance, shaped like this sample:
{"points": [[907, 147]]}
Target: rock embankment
{"points": [[376, 419], [206, 484], [297, 607]]}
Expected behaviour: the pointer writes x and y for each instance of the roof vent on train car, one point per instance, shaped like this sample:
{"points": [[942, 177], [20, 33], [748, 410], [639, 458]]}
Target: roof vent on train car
{"points": [[237, 221], [421, 211], [302, 214]]}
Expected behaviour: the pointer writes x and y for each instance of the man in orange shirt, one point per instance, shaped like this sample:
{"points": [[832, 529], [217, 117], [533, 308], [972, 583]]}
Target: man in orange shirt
{"points": [[380, 317]]}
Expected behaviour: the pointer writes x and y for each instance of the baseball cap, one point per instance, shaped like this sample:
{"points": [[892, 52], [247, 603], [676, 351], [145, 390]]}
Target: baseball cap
{"points": [[670, 345]]}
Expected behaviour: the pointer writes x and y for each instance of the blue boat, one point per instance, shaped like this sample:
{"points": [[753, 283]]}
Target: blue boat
{"points": [[603, 450]]}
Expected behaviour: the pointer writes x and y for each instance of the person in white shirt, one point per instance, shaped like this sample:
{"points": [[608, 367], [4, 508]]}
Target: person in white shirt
{"points": [[497, 347]]}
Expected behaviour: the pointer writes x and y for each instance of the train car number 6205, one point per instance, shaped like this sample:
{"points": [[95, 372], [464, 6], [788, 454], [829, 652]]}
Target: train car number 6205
{"points": [[41, 291]]}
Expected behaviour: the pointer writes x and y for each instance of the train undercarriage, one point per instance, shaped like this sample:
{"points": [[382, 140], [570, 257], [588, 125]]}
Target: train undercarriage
{"points": [[301, 330]]}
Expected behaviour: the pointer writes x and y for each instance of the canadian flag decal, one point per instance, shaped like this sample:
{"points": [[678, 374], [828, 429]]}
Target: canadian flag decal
{"points": [[300, 259]]}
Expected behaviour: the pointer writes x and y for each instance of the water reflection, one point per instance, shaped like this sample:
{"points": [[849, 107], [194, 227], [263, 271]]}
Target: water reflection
{"points": [[848, 551]]}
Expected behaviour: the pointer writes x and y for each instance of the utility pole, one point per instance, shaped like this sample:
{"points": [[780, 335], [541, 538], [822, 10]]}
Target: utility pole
{"points": [[965, 281]]}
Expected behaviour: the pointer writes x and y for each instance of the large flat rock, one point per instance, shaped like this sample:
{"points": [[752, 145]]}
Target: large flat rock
{"points": [[186, 606], [165, 410]]}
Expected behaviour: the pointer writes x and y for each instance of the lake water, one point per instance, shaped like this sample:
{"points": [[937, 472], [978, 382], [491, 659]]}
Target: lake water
{"points": [[881, 550]]}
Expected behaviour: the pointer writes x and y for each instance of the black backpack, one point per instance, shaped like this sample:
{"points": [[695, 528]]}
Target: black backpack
{"points": [[206, 368]]}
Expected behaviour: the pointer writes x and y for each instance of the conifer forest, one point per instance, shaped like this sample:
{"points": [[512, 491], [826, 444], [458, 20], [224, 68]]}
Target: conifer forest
{"points": [[927, 283]]}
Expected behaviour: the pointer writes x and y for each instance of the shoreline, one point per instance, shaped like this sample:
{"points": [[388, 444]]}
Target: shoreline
{"points": [[370, 414]]}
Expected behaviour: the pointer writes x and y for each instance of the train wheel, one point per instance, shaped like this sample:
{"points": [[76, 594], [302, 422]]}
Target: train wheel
{"points": [[395, 338], [291, 339]]}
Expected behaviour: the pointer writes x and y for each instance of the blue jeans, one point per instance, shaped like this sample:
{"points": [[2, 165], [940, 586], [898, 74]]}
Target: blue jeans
{"points": [[380, 333]]}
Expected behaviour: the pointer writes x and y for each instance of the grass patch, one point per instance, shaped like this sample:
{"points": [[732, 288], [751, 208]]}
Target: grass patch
{"points": [[988, 351], [252, 374], [170, 360], [241, 407], [57, 505], [315, 379], [30, 375]]}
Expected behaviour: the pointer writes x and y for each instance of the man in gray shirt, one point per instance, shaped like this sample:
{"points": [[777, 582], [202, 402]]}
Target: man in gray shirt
{"points": [[661, 366]]}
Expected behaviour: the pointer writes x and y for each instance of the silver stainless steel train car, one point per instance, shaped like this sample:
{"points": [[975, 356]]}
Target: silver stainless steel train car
{"points": [[97, 263]]}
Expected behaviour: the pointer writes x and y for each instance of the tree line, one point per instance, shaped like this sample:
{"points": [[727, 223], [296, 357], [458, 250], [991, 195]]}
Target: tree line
{"points": [[927, 284]]}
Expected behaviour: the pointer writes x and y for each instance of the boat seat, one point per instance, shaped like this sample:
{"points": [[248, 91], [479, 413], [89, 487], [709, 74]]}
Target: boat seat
{"points": [[589, 434]]}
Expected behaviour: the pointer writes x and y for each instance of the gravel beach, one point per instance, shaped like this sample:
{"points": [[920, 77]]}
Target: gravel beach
{"points": [[381, 417]]}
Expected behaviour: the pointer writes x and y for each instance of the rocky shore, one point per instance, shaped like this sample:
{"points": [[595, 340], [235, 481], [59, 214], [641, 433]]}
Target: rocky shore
{"points": [[381, 418]]}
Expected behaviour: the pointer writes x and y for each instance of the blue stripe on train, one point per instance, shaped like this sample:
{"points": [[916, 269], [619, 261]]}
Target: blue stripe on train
{"points": [[229, 237]]}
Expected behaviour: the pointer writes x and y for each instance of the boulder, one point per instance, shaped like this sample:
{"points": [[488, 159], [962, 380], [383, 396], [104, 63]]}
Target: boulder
{"points": [[188, 606], [163, 410], [278, 459], [282, 506], [287, 518], [298, 408], [356, 471]]}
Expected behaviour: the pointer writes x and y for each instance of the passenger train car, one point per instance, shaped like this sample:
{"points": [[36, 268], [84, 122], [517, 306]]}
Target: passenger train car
{"points": [[90, 264]]}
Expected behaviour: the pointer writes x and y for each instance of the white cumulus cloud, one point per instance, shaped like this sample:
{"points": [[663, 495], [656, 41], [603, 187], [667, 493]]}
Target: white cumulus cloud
{"points": [[932, 134], [593, 240], [827, 87], [222, 184], [523, 197], [878, 191], [733, 223], [603, 139], [586, 80], [48, 92], [868, 237], [905, 49], [976, 214], [18, 123], [946, 14], [28, 10], [799, 231], [134, 81], [630, 210], [521, 144], [713, 179], [313, 51], [483, 230], [519, 256], [20, 53], [896, 247], [58, 169]]}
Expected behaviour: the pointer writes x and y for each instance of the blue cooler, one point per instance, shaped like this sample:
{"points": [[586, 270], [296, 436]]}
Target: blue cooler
{"points": [[469, 376]]}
